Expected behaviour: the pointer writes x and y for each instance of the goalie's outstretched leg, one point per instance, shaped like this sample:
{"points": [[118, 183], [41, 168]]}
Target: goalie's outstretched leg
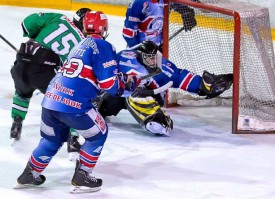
{"points": [[149, 114], [214, 85]]}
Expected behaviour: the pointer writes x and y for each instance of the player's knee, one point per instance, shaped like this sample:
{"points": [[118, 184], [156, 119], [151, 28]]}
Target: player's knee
{"points": [[95, 133], [48, 145]]}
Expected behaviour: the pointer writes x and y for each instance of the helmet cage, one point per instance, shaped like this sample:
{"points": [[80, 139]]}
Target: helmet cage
{"points": [[149, 60]]}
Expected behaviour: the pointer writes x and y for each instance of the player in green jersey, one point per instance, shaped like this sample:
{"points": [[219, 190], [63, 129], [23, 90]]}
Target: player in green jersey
{"points": [[51, 37]]}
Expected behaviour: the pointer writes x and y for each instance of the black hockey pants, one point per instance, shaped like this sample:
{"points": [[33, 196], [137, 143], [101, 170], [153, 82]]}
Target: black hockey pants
{"points": [[33, 70]]}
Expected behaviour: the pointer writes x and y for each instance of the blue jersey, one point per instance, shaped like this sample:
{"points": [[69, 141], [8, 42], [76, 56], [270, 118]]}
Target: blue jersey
{"points": [[128, 64], [181, 78], [90, 67], [144, 21]]}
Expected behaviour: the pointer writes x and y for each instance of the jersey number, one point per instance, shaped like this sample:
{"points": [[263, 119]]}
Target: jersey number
{"points": [[72, 68], [65, 45]]}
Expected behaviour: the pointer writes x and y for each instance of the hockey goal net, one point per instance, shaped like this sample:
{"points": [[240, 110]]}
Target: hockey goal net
{"points": [[230, 37]]}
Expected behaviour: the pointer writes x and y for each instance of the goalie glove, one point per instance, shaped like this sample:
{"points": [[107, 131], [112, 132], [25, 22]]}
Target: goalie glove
{"points": [[213, 85], [143, 92]]}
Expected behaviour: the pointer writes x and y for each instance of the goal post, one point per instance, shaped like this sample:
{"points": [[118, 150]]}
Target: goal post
{"points": [[230, 37]]}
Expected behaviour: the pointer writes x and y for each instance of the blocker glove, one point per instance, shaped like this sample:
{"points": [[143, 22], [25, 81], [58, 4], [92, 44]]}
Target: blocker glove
{"points": [[188, 18], [187, 15]]}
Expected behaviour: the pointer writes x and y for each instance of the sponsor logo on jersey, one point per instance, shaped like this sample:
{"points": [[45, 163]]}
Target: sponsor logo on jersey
{"points": [[134, 19], [71, 103], [109, 63], [59, 87], [157, 24], [145, 8], [152, 25], [101, 124], [129, 64], [128, 54]]}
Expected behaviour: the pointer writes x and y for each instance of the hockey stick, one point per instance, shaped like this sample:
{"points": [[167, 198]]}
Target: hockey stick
{"points": [[176, 33], [5, 40], [146, 93], [158, 71], [134, 47], [162, 88]]}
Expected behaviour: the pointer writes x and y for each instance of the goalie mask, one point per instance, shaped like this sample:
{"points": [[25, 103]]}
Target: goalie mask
{"points": [[95, 23], [78, 17], [149, 56]]}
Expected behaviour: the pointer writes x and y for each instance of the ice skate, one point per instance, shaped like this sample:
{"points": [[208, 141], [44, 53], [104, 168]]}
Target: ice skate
{"points": [[16, 129], [27, 179], [73, 147], [82, 182]]}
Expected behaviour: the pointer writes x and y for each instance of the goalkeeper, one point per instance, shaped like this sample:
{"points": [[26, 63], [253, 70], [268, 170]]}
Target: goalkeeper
{"points": [[143, 104]]}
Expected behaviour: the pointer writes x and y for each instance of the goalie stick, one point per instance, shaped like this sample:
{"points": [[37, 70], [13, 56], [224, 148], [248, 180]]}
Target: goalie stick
{"points": [[158, 71], [146, 93], [5, 40]]}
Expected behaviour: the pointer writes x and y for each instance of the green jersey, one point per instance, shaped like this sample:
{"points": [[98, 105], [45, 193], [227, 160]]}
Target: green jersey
{"points": [[53, 31]]}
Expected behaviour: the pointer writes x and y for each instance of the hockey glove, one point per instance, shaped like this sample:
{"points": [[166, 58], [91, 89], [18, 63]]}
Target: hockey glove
{"points": [[142, 92], [97, 101], [188, 18], [213, 85]]}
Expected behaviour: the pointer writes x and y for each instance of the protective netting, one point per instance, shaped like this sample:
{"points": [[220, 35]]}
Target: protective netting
{"points": [[210, 46]]}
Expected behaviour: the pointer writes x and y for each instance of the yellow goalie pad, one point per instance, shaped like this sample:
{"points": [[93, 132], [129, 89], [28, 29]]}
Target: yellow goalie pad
{"points": [[141, 108]]}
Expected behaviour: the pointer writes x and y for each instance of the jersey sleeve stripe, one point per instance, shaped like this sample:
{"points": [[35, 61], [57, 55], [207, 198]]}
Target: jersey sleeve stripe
{"points": [[186, 81], [127, 32]]}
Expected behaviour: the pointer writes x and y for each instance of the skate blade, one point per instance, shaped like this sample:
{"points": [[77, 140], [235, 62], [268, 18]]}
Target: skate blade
{"points": [[73, 156], [24, 186], [14, 141], [83, 189]]}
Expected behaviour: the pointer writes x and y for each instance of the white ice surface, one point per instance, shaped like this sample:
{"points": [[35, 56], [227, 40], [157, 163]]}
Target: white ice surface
{"points": [[201, 159]]}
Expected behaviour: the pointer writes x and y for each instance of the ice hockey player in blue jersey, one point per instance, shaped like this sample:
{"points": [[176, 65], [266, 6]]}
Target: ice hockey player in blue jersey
{"points": [[145, 106], [90, 67], [144, 20]]}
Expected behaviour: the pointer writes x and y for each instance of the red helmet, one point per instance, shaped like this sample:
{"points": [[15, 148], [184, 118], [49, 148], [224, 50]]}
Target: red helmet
{"points": [[95, 23]]}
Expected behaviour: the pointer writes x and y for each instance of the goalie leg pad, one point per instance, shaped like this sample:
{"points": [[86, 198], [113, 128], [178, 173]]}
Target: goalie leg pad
{"points": [[141, 108], [148, 113], [159, 123]]}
